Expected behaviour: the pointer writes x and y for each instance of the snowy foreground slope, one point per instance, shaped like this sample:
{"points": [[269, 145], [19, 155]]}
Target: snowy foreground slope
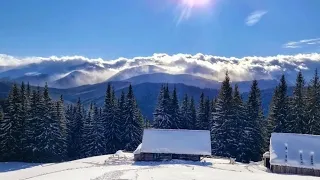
{"points": [[107, 168]]}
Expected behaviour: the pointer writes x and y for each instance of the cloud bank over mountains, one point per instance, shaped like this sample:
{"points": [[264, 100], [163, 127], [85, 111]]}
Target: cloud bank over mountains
{"points": [[90, 71]]}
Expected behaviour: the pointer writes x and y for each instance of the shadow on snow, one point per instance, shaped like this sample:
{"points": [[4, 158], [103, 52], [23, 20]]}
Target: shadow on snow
{"points": [[172, 162], [14, 166]]}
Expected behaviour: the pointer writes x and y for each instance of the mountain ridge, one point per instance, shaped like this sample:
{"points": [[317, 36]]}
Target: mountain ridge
{"points": [[205, 66], [146, 94]]}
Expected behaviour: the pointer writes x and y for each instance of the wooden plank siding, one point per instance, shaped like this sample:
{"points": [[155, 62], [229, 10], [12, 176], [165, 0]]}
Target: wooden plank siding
{"points": [[281, 169], [164, 156]]}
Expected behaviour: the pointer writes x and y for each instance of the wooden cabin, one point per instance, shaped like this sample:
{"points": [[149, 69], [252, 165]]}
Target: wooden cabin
{"points": [[168, 144], [294, 154]]}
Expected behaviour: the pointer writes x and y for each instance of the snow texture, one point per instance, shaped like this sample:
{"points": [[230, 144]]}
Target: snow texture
{"points": [[104, 168], [195, 142], [301, 150]]}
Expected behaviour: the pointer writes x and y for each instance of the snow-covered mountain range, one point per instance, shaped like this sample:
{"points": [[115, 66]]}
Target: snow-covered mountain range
{"points": [[204, 71]]}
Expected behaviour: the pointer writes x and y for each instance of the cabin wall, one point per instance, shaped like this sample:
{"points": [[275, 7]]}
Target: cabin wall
{"points": [[164, 156], [266, 162], [294, 170]]}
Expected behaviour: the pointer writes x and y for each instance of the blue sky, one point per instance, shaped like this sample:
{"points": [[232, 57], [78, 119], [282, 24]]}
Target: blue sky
{"points": [[129, 28]]}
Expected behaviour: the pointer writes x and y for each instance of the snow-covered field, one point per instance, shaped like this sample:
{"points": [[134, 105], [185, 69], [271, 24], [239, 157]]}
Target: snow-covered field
{"points": [[108, 168]]}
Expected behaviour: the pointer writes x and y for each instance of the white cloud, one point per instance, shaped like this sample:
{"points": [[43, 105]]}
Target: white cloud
{"points": [[207, 66], [255, 17], [302, 43]]}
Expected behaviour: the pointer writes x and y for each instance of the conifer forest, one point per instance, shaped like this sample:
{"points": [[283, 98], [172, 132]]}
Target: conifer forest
{"points": [[36, 128]]}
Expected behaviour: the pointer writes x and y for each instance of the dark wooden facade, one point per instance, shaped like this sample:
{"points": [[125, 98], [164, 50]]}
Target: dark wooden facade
{"points": [[164, 156], [287, 169], [266, 160], [282, 169]]}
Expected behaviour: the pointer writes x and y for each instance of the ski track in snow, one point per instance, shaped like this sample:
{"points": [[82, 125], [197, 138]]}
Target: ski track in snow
{"points": [[53, 172], [106, 168], [113, 175]]}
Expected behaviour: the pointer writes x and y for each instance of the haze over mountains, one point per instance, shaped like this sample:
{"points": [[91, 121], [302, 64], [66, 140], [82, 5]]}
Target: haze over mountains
{"points": [[203, 71]]}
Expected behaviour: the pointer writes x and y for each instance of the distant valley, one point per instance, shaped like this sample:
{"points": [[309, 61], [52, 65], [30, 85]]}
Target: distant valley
{"points": [[146, 94]]}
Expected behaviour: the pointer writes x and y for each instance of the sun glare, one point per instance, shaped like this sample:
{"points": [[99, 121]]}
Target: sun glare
{"points": [[195, 3], [187, 7]]}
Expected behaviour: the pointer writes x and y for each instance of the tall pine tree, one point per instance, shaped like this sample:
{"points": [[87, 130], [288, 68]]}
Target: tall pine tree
{"points": [[15, 114], [298, 120], [313, 105], [201, 114], [278, 113], [76, 130], [133, 122], [207, 112], [162, 118], [88, 133], [186, 121], [193, 114], [241, 135], [61, 120], [256, 127], [6, 138], [52, 138], [175, 111], [121, 118], [222, 120], [111, 123]]}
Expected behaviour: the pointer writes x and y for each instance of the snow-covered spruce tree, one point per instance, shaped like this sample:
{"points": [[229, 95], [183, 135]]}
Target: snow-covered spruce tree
{"points": [[14, 112], [52, 135], [23, 115], [60, 116], [242, 127], [98, 134], [193, 114], [185, 113], [121, 118], [133, 122], [36, 128], [298, 120], [279, 109], [70, 114], [75, 131], [175, 111], [25, 93], [313, 105], [256, 127], [147, 124], [68, 110], [6, 142], [1, 133], [213, 109], [273, 112], [161, 116], [201, 114], [111, 123], [208, 113], [88, 133], [223, 120]]}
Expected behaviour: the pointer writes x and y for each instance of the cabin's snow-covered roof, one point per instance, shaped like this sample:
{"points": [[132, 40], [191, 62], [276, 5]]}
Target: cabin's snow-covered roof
{"points": [[306, 145], [195, 142], [138, 150]]}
